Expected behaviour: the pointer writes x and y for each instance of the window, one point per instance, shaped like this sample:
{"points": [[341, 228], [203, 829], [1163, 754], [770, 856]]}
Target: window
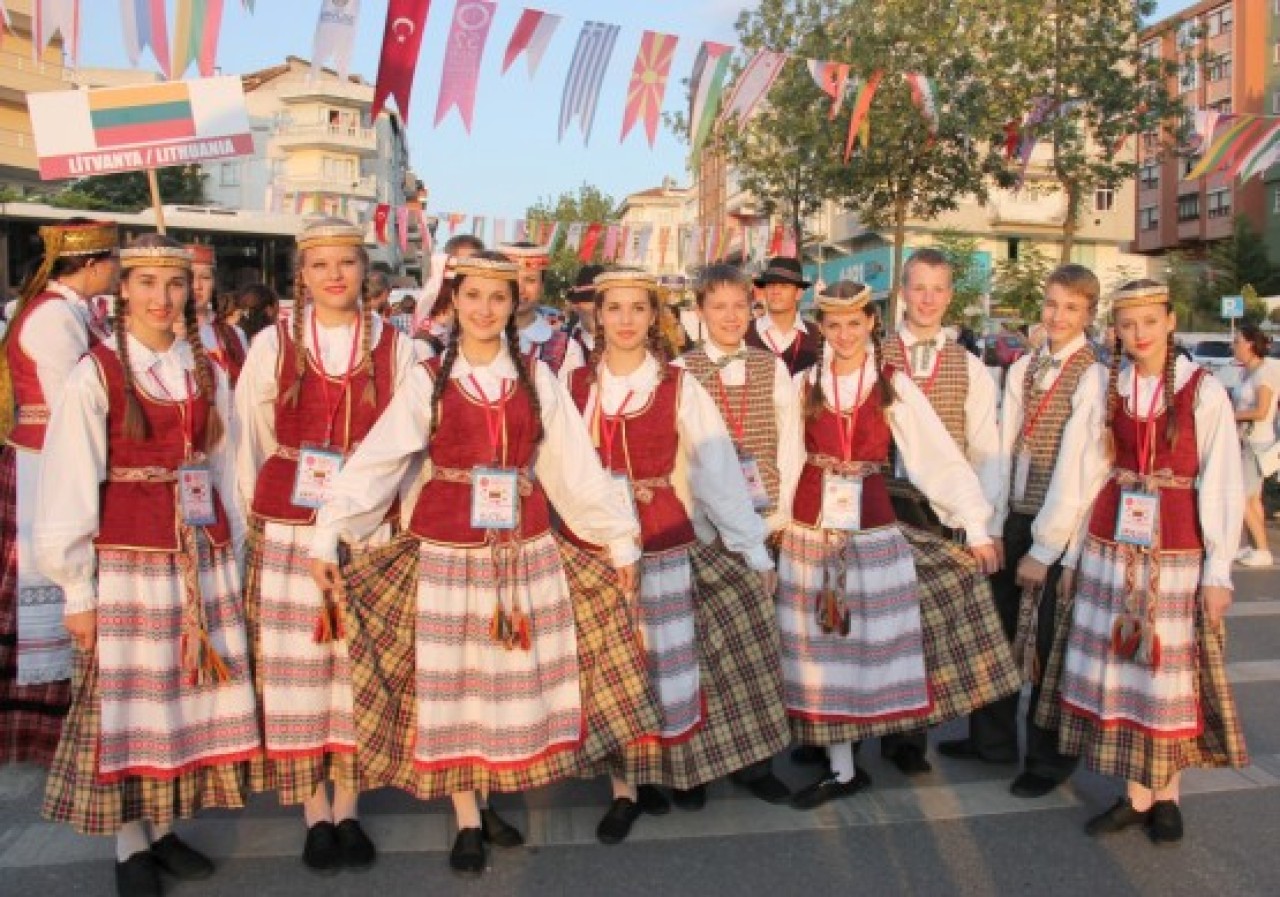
{"points": [[1219, 204], [1151, 49], [1189, 207], [1188, 33], [1220, 20], [1148, 218], [229, 174], [1222, 107], [339, 169], [1149, 175], [1218, 68], [1150, 141], [1104, 199], [1188, 76], [1275, 201]]}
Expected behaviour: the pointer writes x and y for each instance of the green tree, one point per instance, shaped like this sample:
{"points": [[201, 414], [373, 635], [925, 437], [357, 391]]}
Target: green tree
{"points": [[1242, 259], [1018, 286], [1191, 292], [588, 204], [969, 287], [130, 192]]}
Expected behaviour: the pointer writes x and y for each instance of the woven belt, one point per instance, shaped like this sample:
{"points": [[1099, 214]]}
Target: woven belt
{"points": [[1151, 482], [643, 489], [148, 474], [289, 453], [859, 469], [463, 477], [33, 414]]}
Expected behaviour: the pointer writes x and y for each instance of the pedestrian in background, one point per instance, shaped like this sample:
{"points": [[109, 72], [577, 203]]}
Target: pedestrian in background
{"points": [[1256, 415]]}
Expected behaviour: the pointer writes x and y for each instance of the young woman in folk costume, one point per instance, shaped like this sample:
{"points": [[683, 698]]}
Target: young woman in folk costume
{"points": [[54, 325], [873, 642], [512, 681], [1144, 689], [225, 344], [138, 524], [654, 424], [307, 397]]}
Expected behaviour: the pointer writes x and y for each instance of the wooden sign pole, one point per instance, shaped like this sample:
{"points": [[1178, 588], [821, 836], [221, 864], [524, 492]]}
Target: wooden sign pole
{"points": [[154, 182]]}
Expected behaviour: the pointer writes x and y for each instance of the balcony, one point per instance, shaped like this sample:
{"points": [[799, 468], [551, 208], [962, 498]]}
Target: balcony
{"points": [[361, 188], [340, 138], [330, 92], [1027, 208]]}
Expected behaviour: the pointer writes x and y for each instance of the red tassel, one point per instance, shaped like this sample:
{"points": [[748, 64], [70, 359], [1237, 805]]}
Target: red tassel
{"points": [[523, 636], [495, 623], [322, 634]]}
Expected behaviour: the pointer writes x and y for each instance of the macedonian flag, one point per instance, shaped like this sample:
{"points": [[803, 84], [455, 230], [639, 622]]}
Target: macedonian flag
{"points": [[649, 83]]}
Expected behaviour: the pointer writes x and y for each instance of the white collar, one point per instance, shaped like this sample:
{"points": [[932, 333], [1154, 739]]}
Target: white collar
{"points": [[537, 332], [1182, 372], [142, 358], [1066, 351], [66, 292], [499, 368], [909, 339], [715, 353], [642, 379], [765, 322]]}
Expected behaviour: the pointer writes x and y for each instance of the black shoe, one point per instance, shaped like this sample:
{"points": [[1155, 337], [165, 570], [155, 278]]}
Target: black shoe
{"points": [[616, 823], [467, 857], [910, 760], [1164, 825], [138, 876], [690, 798], [497, 831], [180, 860], [358, 852], [829, 788], [967, 749], [809, 755], [1028, 784], [769, 788], [651, 800], [321, 853], [1121, 816]]}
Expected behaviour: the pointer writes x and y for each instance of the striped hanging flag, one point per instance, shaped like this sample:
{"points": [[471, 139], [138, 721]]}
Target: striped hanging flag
{"points": [[143, 23], [520, 230], [1217, 152], [195, 36], [1246, 146], [649, 83], [924, 94], [465, 49], [753, 85], [573, 239], [643, 239], [50, 17], [860, 117], [143, 114], [832, 79], [499, 231], [590, 240], [531, 36], [455, 222], [478, 227], [549, 239], [706, 88], [1264, 154], [586, 74], [611, 243]]}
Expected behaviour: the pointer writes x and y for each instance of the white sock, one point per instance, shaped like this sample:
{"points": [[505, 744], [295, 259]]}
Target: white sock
{"points": [[132, 838], [315, 809], [842, 760]]}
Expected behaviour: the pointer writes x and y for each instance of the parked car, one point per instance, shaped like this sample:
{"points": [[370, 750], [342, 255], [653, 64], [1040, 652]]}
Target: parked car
{"points": [[1002, 349], [1215, 356]]}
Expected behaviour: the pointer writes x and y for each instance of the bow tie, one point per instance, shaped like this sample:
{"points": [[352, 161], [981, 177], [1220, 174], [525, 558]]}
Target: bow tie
{"points": [[1045, 364], [729, 358], [922, 356]]}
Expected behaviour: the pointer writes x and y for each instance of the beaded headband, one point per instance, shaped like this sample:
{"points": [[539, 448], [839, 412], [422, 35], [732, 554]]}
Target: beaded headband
{"points": [[155, 257], [494, 269], [527, 255], [828, 302], [331, 235], [612, 280], [1141, 296], [64, 240], [202, 254]]}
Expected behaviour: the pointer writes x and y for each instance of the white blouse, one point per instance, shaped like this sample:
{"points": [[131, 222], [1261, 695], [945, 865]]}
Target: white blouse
{"points": [[258, 388], [981, 423], [56, 336], [932, 461], [74, 463], [1220, 485], [1082, 449], [707, 478], [775, 337], [787, 413], [566, 464]]}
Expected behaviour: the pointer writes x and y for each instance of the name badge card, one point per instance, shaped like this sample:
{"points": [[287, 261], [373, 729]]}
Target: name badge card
{"points": [[623, 485], [495, 498], [1136, 518], [841, 502], [195, 495], [318, 467], [1021, 474], [755, 482]]}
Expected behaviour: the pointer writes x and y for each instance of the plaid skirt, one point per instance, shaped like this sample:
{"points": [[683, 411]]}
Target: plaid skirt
{"points": [[737, 641], [1131, 752], [966, 652], [617, 700], [670, 640], [30, 715], [294, 776]]}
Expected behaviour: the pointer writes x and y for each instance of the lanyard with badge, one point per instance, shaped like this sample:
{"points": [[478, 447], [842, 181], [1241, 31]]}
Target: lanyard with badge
{"points": [[195, 479], [607, 425], [320, 464], [842, 493], [495, 490], [1138, 516], [756, 488], [1022, 454]]}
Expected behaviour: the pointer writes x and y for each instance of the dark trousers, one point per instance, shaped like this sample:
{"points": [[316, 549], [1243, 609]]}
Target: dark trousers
{"points": [[994, 728]]}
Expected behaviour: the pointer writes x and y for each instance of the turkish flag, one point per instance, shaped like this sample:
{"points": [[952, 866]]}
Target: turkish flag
{"points": [[380, 216], [401, 41]]}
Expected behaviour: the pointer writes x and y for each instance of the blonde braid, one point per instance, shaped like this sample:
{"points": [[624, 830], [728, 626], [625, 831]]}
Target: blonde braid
{"points": [[136, 425], [1113, 397], [887, 394], [370, 397], [299, 339], [1170, 385]]}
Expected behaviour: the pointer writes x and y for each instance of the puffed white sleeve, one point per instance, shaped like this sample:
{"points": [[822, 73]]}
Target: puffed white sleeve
{"points": [[73, 465], [56, 339], [569, 470], [933, 462], [1080, 454], [1221, 484], [715, 475], [371, 478], [255, 399], [222, 460], [982, 433], [789, 400]]}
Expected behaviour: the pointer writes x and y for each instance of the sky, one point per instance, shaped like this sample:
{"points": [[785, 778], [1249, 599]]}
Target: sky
{"points": [[512, 157]]}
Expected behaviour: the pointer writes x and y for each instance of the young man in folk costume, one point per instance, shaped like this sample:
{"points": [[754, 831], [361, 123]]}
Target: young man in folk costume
{"points": [[500, 668], [781, 330], [582, 296], [883, 631], [54, 325], [138, 523], [755, 395], [538, 339], [225, 344], [963, 395], [1050, 437]]}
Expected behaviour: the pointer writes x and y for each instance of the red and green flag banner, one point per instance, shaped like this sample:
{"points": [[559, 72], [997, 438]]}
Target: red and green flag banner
{"points": [[706, 90], [753, 84], [649, 83], [1264, 154], [145, 114], [859, 121], [590, 239], [832, 79], [195, 36]]}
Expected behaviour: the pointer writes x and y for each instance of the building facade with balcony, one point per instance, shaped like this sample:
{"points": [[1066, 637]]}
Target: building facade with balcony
{"points": [[663, 209], [21, 74]]}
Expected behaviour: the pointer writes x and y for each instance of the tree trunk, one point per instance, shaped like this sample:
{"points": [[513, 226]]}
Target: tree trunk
{"points": [[1072, 223], [899, 249]]}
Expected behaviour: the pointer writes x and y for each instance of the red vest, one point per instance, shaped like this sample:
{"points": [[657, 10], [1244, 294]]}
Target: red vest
{"points": [[646, 449], [306, 424], [32, 413], [551, 353], [871, 442], [461, 442], [144, 515], [1179, 509]]}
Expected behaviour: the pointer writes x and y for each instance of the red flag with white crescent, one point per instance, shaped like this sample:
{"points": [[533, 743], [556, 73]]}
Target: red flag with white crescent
{"points": [[401, 41]]}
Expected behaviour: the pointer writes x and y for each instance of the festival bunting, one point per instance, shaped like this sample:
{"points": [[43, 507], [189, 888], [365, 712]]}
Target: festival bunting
{"points": [[6, 23], [664, 240], [750, 87], [1264, 154], [649, 83], [335, 36], [832, 79], [859, 120], [705, 92], [195, 36], [531, 36], [455, 223], [573, 238], [402, 222], [401, 41], [586, 74], [50, 17], [499, 231], [924, 95], [143, 24], [478, 227], [590, 239], [611, 235], [380, 216], [467, 38]]}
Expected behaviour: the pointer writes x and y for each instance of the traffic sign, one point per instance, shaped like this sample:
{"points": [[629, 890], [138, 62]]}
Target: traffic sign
{"points": [[1232, 307]]}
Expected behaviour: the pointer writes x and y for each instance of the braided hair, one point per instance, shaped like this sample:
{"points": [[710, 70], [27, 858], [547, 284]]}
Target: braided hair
{"points": [[524, 371], [1113, 395], [206, 378], [814, 398], [442, 380], [136, 426], [299, 339], [1170, 377]]}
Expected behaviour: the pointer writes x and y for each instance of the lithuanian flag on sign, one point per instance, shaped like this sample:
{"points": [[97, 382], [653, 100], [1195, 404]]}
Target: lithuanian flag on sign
{"points": [[143, 114]]}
